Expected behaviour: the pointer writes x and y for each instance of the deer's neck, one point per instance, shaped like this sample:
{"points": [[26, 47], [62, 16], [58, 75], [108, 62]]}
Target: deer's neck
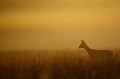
{"points": [[87, 48]]}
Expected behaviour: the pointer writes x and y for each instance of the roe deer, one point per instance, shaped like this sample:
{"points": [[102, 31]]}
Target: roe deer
{"points": [[96, 53]]}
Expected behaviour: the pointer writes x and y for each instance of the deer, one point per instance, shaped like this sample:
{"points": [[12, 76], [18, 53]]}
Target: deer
{"points": [[106, 54]]}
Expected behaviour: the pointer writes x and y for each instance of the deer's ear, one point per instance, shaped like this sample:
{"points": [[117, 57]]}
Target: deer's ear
{"points": [[82, 41]]}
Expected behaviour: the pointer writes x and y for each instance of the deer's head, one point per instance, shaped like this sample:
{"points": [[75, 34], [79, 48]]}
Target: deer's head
{"points": [[82, 45]]}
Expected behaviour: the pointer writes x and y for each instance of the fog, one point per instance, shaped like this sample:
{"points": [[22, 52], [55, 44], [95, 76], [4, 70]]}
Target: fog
{"points": [[44, 24]]}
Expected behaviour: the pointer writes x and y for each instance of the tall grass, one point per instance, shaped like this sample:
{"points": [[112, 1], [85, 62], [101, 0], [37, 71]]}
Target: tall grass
{"points": [[56, 64]]}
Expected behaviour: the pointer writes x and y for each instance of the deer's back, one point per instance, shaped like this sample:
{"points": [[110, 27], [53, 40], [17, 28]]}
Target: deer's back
{"points": [[101, 53]]}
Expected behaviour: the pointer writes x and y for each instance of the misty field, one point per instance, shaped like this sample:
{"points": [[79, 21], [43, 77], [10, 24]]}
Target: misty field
{"points": [[57, 64]]}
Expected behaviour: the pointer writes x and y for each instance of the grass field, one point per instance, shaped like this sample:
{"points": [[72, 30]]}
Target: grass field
{"points": [[57, 64]]}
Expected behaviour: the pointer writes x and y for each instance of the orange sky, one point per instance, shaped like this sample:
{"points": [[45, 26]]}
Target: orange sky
{"points": [[44, 24]]}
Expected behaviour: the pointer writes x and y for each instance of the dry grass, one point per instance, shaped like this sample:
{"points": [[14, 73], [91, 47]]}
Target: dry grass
{"points": [[56, 64]]}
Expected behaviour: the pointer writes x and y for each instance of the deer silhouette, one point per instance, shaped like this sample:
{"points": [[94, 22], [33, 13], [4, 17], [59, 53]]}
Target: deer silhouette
{"points": [[96, 53]]}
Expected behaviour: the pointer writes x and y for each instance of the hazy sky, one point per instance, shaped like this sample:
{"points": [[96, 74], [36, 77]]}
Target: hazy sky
{"points": [[44, 24]]}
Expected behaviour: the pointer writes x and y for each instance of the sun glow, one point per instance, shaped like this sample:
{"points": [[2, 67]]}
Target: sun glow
{"points": [[59, 24]]}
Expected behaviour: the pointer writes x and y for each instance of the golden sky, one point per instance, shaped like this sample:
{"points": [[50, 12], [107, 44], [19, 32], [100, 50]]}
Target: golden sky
{"points": [[44, 24]]}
